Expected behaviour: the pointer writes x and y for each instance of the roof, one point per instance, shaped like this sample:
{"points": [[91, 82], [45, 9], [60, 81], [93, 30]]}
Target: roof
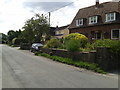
{"points": [[61, 28], [101, 10]]}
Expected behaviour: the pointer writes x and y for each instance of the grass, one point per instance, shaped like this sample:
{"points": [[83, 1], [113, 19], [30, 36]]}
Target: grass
{"points": [[90, 66]]}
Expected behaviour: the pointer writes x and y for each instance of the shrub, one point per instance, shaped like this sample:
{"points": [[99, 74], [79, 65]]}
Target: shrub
{"points": [[17, 41], [102, 43], [53, 43], [25, 46], [114, 45], [72, 45], [83, 40]]}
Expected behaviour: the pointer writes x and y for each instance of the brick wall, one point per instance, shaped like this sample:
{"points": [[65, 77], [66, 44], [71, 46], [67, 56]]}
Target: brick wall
{"points": [[102, 56], [102, 28]]}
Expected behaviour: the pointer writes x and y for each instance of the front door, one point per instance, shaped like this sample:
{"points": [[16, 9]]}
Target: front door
{"points": [[96, 35]]}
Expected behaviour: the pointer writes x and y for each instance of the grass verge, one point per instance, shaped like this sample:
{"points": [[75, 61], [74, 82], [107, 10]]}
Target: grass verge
{"points": [[81, 64]]}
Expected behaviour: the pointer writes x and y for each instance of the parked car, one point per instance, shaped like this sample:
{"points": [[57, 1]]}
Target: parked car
{"points": [[35, 47]]}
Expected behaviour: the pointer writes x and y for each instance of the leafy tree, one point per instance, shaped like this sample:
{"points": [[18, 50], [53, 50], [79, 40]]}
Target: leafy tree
{"points": [[35, 27], [4, 38], [28, 33], [13, 34]]}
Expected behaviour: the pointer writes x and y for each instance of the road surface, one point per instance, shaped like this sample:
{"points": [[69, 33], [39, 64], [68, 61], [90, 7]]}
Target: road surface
{"points": [[21, 69]]}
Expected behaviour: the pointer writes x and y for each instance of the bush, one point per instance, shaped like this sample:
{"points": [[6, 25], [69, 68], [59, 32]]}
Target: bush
{"points": [[53, 43], [114, 45], [102, 43], [83, 40], [17, 41], [25, 46], [72, 45]]}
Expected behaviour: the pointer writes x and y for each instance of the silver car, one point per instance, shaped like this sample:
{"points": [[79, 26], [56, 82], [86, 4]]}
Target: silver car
{"points": [[35, 47]]}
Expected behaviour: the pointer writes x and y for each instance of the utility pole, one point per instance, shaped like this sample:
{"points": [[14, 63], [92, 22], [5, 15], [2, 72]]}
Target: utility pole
{"points": [[49, 17]]}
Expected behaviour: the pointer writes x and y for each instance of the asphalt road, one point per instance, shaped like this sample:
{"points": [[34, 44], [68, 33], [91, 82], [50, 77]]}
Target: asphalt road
{"points": [[21, 69]]}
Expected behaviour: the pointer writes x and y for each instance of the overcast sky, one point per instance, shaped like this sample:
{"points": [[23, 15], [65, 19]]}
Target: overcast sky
{"points": [[13, 13]]}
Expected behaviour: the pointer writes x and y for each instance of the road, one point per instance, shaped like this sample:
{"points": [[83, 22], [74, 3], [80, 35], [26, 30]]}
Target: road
{"points": [[21, 69]]}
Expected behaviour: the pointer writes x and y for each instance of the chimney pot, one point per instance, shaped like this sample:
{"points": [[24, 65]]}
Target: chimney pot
{"points": [[97, 3]]}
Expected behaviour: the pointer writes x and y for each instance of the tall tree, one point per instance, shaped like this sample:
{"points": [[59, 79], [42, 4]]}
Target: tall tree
{"points": [[35, 27]]}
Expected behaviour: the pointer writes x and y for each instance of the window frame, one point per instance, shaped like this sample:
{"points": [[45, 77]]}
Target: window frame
{"points": [[112, 34], [78, 22], [110, 17], [93, 19]]}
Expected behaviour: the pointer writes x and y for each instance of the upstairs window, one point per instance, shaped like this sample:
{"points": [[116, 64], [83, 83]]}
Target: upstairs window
{"points": [[110, 17], [93, 20], [79, 22]]}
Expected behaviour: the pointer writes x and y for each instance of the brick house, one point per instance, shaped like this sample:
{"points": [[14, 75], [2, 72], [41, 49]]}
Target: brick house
{"points": [[100, 21], [61, 32]]}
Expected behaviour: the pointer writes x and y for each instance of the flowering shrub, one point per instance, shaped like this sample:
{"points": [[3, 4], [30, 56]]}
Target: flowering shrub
{"points": [[83, 40], [76, 36]]}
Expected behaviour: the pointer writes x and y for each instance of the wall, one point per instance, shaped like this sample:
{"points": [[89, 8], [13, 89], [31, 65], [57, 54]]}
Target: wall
{"points": [[102, 28], [62, 33], [102, 56], [108, 60]]}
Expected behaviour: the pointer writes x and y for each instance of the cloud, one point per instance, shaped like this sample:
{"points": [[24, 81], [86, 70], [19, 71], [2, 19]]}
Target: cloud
{"points": [[14, 13], [45, 6]]}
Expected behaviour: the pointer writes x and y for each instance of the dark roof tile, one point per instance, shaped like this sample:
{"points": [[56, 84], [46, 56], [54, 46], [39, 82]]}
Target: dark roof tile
{"points": [[93, 10]]}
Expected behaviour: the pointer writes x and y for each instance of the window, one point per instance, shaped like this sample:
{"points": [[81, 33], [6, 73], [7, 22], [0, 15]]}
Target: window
{"points": [[115, 34], [110, 17], [79, 22], [97, 35], [93, 19]]}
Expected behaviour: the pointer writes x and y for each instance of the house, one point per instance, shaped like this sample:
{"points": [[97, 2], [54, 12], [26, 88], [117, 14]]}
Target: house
{"points": [[61, 32], [51, 33], [100, 21]]}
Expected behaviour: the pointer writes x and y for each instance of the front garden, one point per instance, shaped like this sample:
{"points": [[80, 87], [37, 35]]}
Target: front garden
{"points": [[77, 50]]}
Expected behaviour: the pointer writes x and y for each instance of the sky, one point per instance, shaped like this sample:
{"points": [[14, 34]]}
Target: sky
{"points": [[14, 13]]}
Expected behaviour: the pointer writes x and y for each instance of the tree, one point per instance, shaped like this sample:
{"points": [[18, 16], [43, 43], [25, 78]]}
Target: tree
{"points": [[13, 34], [35, 27], [4, 38]]}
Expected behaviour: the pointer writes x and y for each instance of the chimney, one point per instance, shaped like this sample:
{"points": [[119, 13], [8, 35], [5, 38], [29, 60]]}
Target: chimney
{"points": [[57, 26], [97, 3]]}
